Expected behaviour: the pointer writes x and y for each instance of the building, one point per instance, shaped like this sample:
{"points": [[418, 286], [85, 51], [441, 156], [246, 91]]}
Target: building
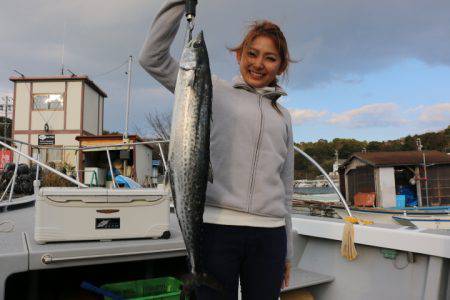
{"points": [[423, 174], [132, 161], [6, 107], [52, 111]]}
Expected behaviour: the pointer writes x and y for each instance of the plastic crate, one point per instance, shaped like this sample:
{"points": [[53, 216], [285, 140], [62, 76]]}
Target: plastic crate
{"points": [[364, 199], [164, 288]]}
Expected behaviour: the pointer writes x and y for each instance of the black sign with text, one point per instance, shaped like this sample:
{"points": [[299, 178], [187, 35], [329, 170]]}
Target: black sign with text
{"points": [[46, 139]]}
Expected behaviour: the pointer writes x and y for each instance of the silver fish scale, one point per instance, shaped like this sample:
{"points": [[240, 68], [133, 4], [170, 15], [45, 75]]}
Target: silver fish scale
{"points": [[189, 147]]}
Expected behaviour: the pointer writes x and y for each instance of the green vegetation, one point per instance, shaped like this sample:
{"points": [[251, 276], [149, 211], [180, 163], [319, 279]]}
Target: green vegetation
{"points": [[5, 127], [323, 151]]}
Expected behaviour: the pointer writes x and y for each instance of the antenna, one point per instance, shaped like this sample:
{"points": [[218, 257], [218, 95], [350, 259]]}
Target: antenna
{"points": [[73, 74], [21, 75], [62, 54], [130, 60]]}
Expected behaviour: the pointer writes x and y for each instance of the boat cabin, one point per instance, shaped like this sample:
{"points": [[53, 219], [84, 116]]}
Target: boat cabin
{"points": [[397, 179], [134, 161]]}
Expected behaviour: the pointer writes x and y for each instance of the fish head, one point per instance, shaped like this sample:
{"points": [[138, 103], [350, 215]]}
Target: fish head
{"points": [[194, 54]]}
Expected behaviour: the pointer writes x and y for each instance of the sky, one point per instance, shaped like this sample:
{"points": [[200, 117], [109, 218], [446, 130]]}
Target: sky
{"points": [[369, 70]]}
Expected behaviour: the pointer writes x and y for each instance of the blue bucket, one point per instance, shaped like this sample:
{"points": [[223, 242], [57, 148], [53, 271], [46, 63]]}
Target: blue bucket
{"points": [[400, 201]]}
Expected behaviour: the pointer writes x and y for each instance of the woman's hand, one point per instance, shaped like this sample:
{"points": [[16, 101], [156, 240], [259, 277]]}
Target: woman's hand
{"points": [[287, 275]]}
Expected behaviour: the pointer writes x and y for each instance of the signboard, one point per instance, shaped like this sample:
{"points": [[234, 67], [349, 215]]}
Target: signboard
{"points": [[46, 139], [5, 157]]}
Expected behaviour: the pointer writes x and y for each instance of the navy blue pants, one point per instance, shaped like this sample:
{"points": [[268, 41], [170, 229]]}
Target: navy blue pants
{"points": [[255, 255]]}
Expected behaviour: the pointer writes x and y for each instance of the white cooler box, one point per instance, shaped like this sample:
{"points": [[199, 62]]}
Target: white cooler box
{"points": [[77, 214]]}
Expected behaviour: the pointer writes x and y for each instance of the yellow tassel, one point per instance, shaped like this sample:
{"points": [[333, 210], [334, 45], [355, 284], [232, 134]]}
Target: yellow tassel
{"points": [[348, 249]]}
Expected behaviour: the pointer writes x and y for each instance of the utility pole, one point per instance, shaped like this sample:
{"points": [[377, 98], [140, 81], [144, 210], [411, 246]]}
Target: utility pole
{"points": [[125, 134], [419, 148], [6, 100]]}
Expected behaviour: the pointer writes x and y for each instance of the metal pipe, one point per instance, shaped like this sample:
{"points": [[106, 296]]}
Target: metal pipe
{"points": [[327, 177], [79, 184], [16, 166], [36, 182], [110, 168], [37, 166], [162, 157], [91, 147], [6, 190], [49, 258], [426, 177], [77, 171], [130, 60]]}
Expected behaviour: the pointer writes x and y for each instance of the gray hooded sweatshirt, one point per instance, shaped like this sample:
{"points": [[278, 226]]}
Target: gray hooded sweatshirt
{"points": [[251, 146]]}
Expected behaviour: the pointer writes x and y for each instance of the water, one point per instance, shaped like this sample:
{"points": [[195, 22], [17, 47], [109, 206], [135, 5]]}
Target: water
{"points": [[314, 190]]}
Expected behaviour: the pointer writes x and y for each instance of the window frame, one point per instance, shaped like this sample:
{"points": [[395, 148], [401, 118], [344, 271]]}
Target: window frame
{"points": [[45, 109]]}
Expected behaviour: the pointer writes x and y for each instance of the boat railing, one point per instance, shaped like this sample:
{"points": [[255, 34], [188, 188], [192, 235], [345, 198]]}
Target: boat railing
{"points": [[76, 181], [112, 146], [330, 181]]}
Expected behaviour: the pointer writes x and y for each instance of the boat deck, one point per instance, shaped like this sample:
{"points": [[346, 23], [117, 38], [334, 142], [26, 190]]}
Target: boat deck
{"points": [[20, 253]]}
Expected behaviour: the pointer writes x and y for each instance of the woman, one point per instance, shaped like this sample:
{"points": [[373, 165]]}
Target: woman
{"points": [[247, 217]]}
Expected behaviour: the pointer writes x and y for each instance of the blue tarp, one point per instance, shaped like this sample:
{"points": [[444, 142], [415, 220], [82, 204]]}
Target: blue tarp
{"points": [[127, 182], [410, 195]]}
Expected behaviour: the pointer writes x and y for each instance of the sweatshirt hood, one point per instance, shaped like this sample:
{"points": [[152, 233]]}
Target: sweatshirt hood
{"points": [[271, 92]]}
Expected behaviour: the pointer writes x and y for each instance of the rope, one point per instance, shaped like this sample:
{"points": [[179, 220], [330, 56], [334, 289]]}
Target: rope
{"points": [[11, 224]]}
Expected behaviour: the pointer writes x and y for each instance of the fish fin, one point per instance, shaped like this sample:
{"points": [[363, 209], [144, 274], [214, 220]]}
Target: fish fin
{"points": [[193, 281], [210, 173]]}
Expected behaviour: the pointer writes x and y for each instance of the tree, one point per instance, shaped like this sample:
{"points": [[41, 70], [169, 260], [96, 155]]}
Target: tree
{"points": [[159, 123], [5, 127]]}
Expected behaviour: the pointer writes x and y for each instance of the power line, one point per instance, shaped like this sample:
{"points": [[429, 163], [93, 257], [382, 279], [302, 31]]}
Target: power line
{"points": [[110, 71]]}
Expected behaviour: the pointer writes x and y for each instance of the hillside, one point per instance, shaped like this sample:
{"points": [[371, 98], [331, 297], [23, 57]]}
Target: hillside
{"points": [[324, 151]]}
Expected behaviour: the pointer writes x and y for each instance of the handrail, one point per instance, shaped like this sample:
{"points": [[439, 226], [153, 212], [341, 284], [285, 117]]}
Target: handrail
{"points": [[79, 184], [87, 147], [326, 176]]}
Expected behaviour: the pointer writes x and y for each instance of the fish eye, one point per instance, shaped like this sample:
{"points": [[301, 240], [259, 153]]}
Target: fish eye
{"points": [[197, 44]]}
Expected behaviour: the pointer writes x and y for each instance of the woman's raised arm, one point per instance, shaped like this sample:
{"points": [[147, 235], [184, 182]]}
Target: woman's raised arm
{"points": [[155, 54]]}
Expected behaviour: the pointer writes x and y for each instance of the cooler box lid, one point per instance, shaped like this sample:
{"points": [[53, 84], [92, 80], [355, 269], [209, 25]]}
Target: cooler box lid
{"points": [[130, 195], [66, 194]]}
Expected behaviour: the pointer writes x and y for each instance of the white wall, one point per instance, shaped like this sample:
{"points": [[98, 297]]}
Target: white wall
{"points": [[90, 115], [385, 187], [73, 114], [143, 164], [24, 149], [54, 118], [49, 87], [22, 103]]}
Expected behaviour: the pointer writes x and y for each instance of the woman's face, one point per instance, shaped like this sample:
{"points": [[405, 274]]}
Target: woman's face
{"points": [[260, 62]]}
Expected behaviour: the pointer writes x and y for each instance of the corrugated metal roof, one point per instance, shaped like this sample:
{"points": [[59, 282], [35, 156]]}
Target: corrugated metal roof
{"points": [[401, 158]]}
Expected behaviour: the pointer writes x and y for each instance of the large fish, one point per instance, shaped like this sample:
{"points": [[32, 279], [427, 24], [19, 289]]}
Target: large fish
{"points": [[188, 159]]}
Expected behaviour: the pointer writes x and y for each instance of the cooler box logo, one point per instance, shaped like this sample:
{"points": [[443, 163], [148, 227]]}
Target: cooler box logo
{"points": [[110, 223]]}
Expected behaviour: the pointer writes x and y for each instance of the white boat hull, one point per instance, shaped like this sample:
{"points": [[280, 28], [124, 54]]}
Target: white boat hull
{"points": [[385, 217]]}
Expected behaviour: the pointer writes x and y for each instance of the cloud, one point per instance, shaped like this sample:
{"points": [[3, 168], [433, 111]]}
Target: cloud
{"points": [[437, 114], [372, 115], [301, 116], [333, 40]]}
